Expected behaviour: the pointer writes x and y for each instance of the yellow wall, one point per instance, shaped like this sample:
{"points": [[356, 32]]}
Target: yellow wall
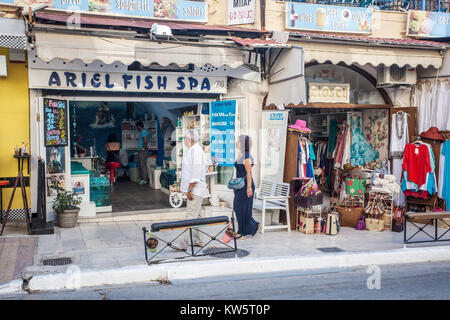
{"points": [[14, 122]]}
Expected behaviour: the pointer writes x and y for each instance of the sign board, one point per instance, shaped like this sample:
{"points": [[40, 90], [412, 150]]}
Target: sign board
{"points": [[55, 122], [428, 24], [130, 82], [183, 10], [223, 128], [241, 12], [329, 92], [315, 17], [273, 144]]}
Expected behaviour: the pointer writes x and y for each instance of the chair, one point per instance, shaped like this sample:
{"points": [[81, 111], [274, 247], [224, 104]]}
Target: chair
{"points": [[272, 195]]}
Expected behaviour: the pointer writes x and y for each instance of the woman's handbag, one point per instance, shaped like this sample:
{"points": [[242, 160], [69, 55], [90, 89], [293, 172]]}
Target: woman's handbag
{"points": [[361, 224], [236, 183]]}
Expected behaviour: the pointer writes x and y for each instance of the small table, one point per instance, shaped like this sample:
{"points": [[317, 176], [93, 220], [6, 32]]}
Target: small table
{"points": [[19, 179]]}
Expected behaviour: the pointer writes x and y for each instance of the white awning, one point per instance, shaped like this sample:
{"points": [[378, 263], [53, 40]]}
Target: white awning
{"points": [[349, 54], [12, 34], [109, 50], [286, 80]]}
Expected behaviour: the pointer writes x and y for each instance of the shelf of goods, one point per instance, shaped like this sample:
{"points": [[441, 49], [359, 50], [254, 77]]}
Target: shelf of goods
{"points": [[201, 123], [130, 135]]}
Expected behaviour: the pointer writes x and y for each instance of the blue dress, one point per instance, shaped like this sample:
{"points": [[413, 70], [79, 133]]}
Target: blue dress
{"points": [[243, 205], [361, 151]]}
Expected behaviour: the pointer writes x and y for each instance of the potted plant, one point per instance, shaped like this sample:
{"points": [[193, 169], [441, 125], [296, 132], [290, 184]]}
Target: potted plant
{"points": [[65, 205]]}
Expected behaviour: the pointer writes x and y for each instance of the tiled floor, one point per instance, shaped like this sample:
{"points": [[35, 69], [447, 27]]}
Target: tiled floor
{"points": [[130, 196]]}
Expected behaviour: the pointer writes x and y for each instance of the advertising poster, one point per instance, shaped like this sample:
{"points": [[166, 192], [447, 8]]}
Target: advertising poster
{"points": [[428, 24], [53, 181], [223, 128], [241, 12], [56, 160], [164, 9], [303, 16], [273, 144], [55, 122]]}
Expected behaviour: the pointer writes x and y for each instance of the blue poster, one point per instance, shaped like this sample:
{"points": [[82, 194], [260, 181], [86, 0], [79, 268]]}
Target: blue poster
{"points": [[163, 9], [303, 16], [428, 24], [223, 128]]}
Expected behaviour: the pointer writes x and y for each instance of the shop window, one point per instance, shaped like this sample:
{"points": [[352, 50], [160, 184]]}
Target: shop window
{"points": [[362, 91]]}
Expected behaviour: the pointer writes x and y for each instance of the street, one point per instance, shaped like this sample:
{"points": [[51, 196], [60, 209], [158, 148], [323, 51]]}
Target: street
{"points": [[411, 282]]}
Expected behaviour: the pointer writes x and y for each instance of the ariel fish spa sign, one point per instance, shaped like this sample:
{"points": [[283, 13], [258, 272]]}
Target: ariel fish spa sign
{"points": [[126, 82]]}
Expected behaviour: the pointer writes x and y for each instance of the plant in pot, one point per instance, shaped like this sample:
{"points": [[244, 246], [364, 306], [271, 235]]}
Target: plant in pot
{"points": [[65, 205]]}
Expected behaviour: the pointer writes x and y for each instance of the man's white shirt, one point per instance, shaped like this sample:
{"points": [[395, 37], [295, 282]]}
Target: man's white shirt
{"points": [[194, 167]]}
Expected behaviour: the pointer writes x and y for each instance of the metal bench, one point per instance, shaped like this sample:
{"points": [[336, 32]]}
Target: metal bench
{"points": [[433, 217], [151, 240], [272, 195]]}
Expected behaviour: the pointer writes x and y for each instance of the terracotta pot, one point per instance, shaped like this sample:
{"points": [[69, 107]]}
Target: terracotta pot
{"points": [[67, 218]]}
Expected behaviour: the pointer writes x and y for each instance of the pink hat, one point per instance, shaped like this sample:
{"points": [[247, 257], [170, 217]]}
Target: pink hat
{"points": [[300, 125]]}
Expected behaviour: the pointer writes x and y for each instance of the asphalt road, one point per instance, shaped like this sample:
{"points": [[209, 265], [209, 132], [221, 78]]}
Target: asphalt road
{"points": [[418, 281]]}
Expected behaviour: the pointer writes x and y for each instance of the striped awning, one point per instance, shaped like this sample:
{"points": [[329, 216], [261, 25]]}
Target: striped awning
{"points": [[12, 33]]}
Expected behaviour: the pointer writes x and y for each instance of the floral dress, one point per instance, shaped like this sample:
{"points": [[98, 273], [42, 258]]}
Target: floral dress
{"points": [[361, 151]]}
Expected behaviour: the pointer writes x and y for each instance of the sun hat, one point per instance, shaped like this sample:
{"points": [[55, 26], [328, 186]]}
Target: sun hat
{"points": [[348, 167], [432, 133], [300, 125]]}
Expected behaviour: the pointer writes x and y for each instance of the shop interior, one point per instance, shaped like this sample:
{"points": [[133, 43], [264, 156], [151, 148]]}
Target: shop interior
{"points": [[96, 123]]}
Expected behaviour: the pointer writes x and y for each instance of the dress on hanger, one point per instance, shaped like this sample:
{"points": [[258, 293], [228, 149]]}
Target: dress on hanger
{"points": [[399, 140], [361, 152]]}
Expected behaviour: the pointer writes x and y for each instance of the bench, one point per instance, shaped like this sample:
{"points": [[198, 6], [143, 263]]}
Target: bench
{"points": [[272, 195], [151, 240], [435, 217]]}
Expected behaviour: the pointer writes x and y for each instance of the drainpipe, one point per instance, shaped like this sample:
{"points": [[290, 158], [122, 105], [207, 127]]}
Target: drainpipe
{"points": [[262, 8]]}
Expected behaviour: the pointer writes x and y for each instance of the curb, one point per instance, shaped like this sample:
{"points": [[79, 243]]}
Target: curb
{"points": [[14, 286], [222, 268]]}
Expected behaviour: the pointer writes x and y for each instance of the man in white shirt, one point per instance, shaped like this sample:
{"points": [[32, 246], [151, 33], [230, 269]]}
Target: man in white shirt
{"points": [[193, 181]]}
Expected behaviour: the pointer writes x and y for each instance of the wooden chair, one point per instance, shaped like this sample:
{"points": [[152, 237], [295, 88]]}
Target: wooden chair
{"points": [[272, 195]]}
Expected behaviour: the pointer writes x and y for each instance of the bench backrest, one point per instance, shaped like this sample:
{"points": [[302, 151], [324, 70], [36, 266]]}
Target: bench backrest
{"points": [[270, 188]]}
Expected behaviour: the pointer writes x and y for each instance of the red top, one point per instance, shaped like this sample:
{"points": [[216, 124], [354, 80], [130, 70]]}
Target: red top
{"points": [[416, 162]]}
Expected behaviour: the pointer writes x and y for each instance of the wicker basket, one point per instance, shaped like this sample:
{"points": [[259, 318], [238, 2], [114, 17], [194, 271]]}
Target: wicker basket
{"points": [[350, 216], [374, 224]]}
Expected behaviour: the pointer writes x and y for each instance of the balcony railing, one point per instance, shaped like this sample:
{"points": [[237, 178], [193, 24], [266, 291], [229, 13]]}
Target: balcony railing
{"points": [[392, 5]]}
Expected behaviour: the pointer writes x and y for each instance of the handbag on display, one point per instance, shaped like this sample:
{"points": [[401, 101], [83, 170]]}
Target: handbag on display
{"points": [[333, 225], [355, 187], [236, 183], [361, 224]]}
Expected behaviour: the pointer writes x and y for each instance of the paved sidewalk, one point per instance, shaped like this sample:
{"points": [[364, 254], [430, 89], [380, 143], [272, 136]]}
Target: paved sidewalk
{"points": [[106, 245]]}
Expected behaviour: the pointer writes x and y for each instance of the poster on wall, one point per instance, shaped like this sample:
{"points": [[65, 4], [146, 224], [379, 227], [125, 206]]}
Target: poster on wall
{"points": [[315, 17], [223, 130], [273, 143], [55, 122], [428, 24], [194, 11], [56, 160], [53, 181], [241, 12]]}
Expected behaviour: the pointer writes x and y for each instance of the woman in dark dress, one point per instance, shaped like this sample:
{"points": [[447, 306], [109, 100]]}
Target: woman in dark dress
{"points": [[243, 198]]}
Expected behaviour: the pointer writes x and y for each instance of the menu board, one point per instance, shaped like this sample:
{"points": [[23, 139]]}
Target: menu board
{"points": [[223, 119], [55, 122]]}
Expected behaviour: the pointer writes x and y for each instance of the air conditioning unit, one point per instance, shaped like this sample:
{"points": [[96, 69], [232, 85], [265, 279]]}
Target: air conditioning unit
{"points": [[396, 76]]}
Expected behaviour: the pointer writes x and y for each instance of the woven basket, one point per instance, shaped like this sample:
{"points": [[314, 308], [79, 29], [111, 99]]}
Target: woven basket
{"points": [[350, 216]]}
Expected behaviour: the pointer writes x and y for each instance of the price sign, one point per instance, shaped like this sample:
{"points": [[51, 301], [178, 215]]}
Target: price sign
{"points": [[55, 122], [223, 117]]}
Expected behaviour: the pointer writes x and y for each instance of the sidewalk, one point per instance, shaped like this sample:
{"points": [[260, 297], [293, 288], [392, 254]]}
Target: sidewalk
{"points": [[98, 246]]}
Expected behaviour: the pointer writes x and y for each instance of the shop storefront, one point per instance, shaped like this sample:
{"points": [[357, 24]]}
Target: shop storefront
{"points": [[356, 119], [103, 86]]}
